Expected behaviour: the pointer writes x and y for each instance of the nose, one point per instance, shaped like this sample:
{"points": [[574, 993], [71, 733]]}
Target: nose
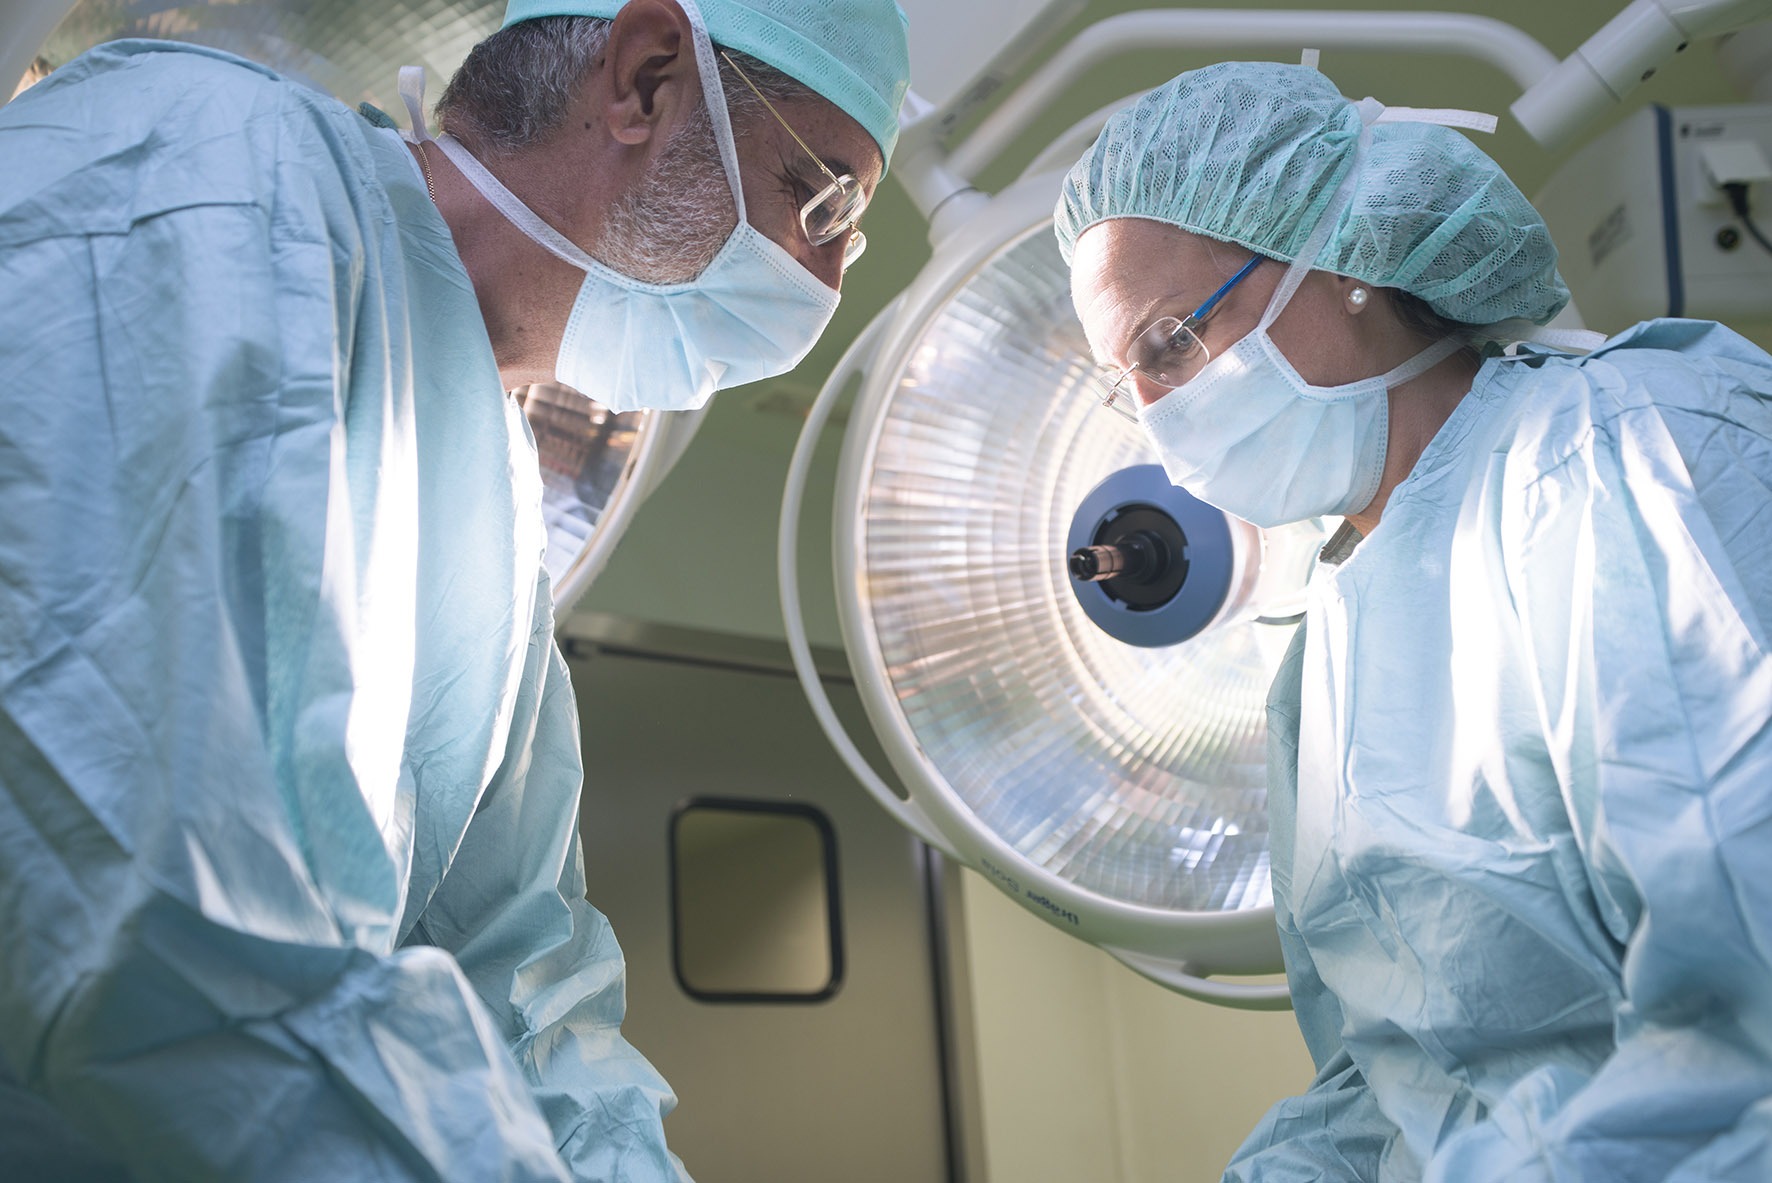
{"points": [[826, 262], [1146, 390]]}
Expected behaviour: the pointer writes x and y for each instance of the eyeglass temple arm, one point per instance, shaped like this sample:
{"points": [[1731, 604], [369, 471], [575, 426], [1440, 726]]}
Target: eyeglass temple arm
{"points": [[1119, 385], [822, 167], [1226, 286]]}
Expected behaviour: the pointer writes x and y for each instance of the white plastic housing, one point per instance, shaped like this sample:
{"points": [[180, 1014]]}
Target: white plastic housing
{"points": [[1641, 229]]}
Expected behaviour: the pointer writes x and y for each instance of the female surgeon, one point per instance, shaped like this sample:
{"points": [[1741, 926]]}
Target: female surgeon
{"points": [[1521, 764]]}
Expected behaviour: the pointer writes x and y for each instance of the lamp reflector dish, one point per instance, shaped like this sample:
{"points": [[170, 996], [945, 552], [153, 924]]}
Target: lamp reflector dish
{"points": [[1136, 774]]}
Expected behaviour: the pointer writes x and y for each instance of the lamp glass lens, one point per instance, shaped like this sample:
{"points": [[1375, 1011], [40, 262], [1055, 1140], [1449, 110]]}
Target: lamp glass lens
{"points": [[586, 452]]}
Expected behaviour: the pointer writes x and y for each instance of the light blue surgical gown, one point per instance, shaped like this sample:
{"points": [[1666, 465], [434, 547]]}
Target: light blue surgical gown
{"points": [[1524, 873], [290, 880]]}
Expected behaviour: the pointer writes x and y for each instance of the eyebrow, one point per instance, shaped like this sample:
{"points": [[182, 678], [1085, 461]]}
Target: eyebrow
{"points": [[839, 166], [803, 168]]}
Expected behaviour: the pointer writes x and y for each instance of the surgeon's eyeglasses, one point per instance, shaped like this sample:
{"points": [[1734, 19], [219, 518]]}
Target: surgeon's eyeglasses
{"points": [[1167, 350], [834, 209]]}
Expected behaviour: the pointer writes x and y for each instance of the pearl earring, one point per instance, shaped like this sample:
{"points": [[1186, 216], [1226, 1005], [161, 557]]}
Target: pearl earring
{"points": [[1356, 299]]}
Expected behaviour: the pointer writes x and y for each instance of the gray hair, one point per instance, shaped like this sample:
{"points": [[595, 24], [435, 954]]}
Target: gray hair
{"points": [[514, 88]]}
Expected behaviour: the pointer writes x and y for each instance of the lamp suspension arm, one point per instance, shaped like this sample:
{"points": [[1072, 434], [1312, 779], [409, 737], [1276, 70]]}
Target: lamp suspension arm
{"points": [[1235, 995], [1624, 52], [939, 180], [1494, 42], [1482, 38]]}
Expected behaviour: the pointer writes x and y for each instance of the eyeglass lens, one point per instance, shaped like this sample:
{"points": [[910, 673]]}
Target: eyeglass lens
{"points": [[1159, 355], [833, 211], [852, 250], [1166, 349]]}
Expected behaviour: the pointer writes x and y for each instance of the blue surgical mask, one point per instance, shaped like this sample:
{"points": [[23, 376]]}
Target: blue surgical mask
{"points": [[1250, 436], [755, 311]]}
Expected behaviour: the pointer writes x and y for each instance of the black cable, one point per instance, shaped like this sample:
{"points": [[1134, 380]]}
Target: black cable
{"points": [[1737, 192]]}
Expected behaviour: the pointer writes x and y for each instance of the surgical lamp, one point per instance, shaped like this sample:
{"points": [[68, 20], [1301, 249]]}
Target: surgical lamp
{"points": [[1094, 751]]}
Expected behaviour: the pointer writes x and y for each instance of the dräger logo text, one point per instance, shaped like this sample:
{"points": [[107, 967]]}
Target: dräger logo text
{"points": [[1062, 913]]}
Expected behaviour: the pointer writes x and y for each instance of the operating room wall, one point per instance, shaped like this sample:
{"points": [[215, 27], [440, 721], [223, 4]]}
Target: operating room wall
{"points": [[1090, 1072]]}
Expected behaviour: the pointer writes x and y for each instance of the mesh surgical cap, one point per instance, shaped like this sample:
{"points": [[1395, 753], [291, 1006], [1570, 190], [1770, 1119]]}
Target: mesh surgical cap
{"points": [[1252, 153], [855, 53]]}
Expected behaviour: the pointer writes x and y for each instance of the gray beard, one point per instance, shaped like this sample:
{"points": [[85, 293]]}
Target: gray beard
{"points": [[669, 226]]}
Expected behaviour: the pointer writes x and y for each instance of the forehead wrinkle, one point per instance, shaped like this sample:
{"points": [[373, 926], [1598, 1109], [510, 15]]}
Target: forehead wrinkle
{"points": [[1125, 313], [1106, 307]]}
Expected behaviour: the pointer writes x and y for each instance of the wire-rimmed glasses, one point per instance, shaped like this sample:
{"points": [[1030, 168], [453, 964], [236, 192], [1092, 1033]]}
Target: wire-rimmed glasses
{"points": [[834, 209], [1167, 350]]}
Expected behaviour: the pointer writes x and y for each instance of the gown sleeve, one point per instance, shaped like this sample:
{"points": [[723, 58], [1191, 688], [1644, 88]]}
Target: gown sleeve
{"points": [[512, 910], [199, 824], [1334, 1131], [1639, 572]]}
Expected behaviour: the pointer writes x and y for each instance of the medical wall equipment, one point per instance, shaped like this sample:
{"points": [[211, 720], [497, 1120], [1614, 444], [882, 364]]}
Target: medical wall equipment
{"points": [[1096, 752], [1625, 52], [1668, 214], [597, 467]]}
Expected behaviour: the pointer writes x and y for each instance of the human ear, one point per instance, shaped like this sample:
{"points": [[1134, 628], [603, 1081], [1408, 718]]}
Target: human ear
{"points": [[649, 69]]}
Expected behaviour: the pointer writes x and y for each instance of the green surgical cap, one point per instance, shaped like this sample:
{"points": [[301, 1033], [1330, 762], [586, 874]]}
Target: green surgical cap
{"points": [[853, 52], [1252, 153]]}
